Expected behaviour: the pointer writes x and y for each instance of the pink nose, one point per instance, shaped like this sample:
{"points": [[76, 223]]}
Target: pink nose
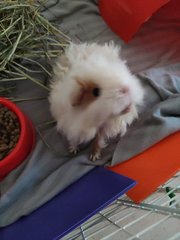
{"points": [[124, 90]]}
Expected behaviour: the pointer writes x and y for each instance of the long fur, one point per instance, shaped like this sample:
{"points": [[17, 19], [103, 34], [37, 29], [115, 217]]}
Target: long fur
{"points": [[80, 116]]}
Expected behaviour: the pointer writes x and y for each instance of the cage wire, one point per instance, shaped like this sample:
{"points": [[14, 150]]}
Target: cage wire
{"points": [[156, 218]]}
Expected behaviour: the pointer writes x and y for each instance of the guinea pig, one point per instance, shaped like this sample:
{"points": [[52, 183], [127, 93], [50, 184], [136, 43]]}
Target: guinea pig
{"points": [[93, 95]]}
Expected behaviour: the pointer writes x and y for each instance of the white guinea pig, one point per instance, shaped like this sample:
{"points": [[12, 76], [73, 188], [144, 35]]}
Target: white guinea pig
{"points": [[93, 95]]}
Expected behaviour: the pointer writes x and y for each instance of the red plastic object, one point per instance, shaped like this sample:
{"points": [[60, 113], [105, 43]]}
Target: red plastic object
{"points": [[125, 17], [152, 168], [24, 145]]}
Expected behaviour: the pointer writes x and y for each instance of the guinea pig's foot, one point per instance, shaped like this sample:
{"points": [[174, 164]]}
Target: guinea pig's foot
{"points": [[73, 149], [95, 156]]}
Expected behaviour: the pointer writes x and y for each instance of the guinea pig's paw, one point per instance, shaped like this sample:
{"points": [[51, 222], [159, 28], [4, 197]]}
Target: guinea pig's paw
{"points": [[95, 156], [123, 128], [73, 149]]}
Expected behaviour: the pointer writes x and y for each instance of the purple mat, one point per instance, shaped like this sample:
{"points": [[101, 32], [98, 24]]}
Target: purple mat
{"points": [[70, 208]]}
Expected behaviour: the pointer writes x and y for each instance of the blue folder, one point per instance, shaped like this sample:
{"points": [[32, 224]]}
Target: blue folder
{"points": [[70, 208]]}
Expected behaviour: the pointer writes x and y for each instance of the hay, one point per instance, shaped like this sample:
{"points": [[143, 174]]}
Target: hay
{"points": [[26, 39]]}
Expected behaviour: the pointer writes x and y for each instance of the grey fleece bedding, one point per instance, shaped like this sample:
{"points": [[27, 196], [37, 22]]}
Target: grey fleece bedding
{"points": [[154, 55]]}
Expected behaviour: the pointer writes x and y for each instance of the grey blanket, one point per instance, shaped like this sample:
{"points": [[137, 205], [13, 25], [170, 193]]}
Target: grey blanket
{"points": [[153, 54]]}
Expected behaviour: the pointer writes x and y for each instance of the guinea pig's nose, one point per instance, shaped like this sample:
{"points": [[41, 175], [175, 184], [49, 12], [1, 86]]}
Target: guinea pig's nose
{"points": [[124, 90]]}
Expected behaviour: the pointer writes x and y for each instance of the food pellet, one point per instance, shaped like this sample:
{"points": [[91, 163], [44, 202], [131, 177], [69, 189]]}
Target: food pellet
{"points": [[9, 131]]}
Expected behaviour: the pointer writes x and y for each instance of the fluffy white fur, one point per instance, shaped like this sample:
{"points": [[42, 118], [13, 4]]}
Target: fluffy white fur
{"points": [[111, 112]]}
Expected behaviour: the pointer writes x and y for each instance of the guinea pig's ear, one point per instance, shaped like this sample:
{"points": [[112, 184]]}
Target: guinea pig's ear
{"points": [[77, 98], [87, 92], [62, 65]]}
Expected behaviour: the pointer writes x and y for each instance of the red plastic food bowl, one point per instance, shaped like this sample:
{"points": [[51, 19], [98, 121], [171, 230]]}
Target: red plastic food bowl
{"points": [[24, 145]]}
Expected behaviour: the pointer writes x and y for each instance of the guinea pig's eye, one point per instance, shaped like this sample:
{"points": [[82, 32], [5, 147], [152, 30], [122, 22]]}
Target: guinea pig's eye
{"points": [[96, 92]]}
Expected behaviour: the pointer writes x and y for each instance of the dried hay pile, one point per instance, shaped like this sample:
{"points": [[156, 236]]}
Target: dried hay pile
{"points": [[26, 37]]}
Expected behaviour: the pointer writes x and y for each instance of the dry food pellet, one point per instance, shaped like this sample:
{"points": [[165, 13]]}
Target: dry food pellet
{"points": [[9, 131]]}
